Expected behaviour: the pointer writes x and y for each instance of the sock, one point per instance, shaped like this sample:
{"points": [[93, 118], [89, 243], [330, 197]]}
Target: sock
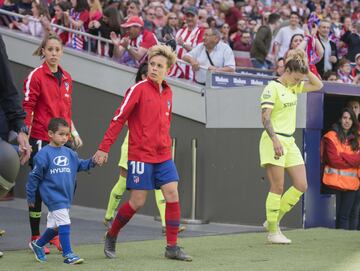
{"points": [[48, 235], [172, 217], [272, 211], [125, 213], [34, 218], [115, 197], [288, 200], [160, 202], [64, 236]]}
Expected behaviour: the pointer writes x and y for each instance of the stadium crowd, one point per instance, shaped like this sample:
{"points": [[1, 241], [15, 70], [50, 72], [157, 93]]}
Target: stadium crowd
{"points": [[258, 32]]}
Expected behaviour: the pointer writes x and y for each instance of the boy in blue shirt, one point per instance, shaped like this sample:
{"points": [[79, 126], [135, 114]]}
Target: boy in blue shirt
{"points": [[54, 173]]}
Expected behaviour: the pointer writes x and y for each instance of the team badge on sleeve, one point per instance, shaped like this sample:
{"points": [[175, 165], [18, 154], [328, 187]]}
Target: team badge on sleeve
{"points": [[67, 86]]}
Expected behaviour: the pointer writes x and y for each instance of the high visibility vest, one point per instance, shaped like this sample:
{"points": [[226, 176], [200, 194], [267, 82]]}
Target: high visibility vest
{"points": [[340, 179]]}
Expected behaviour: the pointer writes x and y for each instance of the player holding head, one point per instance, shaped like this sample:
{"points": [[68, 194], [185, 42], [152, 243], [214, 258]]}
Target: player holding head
{"points": [[147, 107], [278, 150]]}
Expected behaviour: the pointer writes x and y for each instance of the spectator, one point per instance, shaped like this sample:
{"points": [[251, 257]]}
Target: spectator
{"points": [[213, 54], [232, 14], [211, 22], [132, 49], [203, 15], [149, 22], [283, 37], [9, 5], [225, 33], [352, 39], [60, 19], [331, 77], [241, 27], [261, 45], [169, 30], [78, 19], [244, 44], [110, 22], [34, 25], [280, 67], [311, 46], [330, 56], [356, 70], [344, 71], [187, 38], [133, 9], [95, 12], [341, 160], [25, 7], [160, 16]]}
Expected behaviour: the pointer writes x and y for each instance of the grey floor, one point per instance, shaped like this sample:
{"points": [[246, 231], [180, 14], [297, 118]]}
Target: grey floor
{"points": [[87, 226]]}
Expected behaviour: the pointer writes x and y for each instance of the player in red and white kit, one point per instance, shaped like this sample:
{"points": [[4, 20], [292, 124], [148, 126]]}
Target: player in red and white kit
{"points": [[147, 107]]}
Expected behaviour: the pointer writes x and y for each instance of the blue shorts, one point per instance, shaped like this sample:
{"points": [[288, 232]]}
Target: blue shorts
{"points": [[148, 176]]}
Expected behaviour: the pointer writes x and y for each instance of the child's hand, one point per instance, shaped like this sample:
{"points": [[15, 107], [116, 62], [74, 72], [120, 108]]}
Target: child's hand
{"points": [[31, 205]]}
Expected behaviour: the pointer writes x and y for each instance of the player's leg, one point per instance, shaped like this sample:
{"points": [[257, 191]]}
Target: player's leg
{"points": [[292, 196], [139, 181], [120, 187], [166, 177], [115, 197]]}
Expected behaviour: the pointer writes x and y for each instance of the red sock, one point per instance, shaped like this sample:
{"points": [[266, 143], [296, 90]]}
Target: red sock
{"points": [[123, 216], [172, 218]]}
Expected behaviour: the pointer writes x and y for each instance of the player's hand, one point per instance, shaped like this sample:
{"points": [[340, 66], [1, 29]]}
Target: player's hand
{"points": [[24, 147], [333, 59], [78, 143], [278, 148], [100, 157]]}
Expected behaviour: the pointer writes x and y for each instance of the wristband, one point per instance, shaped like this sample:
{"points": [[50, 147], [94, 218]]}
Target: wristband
{"points": [[74, 133]]}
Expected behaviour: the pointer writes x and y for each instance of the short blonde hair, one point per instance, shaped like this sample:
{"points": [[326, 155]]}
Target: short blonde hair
{"points": [[165, 51]]}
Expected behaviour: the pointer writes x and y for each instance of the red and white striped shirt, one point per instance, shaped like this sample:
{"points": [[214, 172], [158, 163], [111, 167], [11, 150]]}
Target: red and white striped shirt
{"points": [[192, 37]]}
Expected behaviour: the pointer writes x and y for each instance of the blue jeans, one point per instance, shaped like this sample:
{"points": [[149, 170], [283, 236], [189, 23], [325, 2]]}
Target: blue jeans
{"points": [[344, 204], [261, 65], [355, 213]]}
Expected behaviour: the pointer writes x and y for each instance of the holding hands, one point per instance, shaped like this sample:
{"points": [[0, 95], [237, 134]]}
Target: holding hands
{"points": [[100, 157]]}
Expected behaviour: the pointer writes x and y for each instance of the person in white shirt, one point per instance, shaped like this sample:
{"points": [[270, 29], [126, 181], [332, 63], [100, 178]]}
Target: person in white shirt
{"points": [[213, 54], [283, 37]]}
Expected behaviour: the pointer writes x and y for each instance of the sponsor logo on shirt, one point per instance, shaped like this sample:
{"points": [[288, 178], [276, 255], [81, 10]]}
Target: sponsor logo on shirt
{"points": [[290, 104], [62, 162]]}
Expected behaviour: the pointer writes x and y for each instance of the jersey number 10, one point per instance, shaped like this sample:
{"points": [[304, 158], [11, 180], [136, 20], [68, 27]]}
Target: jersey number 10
{"points": [[137, 167]]}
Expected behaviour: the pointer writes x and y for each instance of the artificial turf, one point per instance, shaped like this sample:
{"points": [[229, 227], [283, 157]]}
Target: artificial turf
{"points": [[312, 249]]}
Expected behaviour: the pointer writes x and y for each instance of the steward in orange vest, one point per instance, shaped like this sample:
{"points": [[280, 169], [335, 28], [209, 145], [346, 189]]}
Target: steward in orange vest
{"points": [[341, 163]]}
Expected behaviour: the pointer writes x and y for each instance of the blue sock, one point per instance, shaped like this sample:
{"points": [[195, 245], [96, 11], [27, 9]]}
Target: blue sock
{"points": [[64, 236], [46, 237]]}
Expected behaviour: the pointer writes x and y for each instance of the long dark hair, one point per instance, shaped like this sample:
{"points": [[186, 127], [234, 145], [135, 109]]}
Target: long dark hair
{"points": [[353, 134], [143, 70], [114, 18], [293, 37], [81, 5]]}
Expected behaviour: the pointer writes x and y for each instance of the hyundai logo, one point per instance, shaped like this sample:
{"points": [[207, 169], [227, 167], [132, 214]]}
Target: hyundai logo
{"points": [[61, 161]]}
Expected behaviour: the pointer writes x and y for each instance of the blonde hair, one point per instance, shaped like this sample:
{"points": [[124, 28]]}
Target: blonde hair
{"points": [[296, 61], [165, 51], [50, 36], [95, 6]]}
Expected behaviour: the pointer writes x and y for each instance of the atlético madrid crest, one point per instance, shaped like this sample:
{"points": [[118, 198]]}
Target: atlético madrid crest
{"points": [[169, 104], [67, 86]]}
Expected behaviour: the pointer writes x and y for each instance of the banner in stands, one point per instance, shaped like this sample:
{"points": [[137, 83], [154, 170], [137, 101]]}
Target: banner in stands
{"points": [[238, 80], [255, 72]]}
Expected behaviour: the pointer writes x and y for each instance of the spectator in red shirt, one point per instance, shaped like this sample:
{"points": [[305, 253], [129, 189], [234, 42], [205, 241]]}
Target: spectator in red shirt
{"points": [[132, 49], [232, 15], [244, 44]]}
